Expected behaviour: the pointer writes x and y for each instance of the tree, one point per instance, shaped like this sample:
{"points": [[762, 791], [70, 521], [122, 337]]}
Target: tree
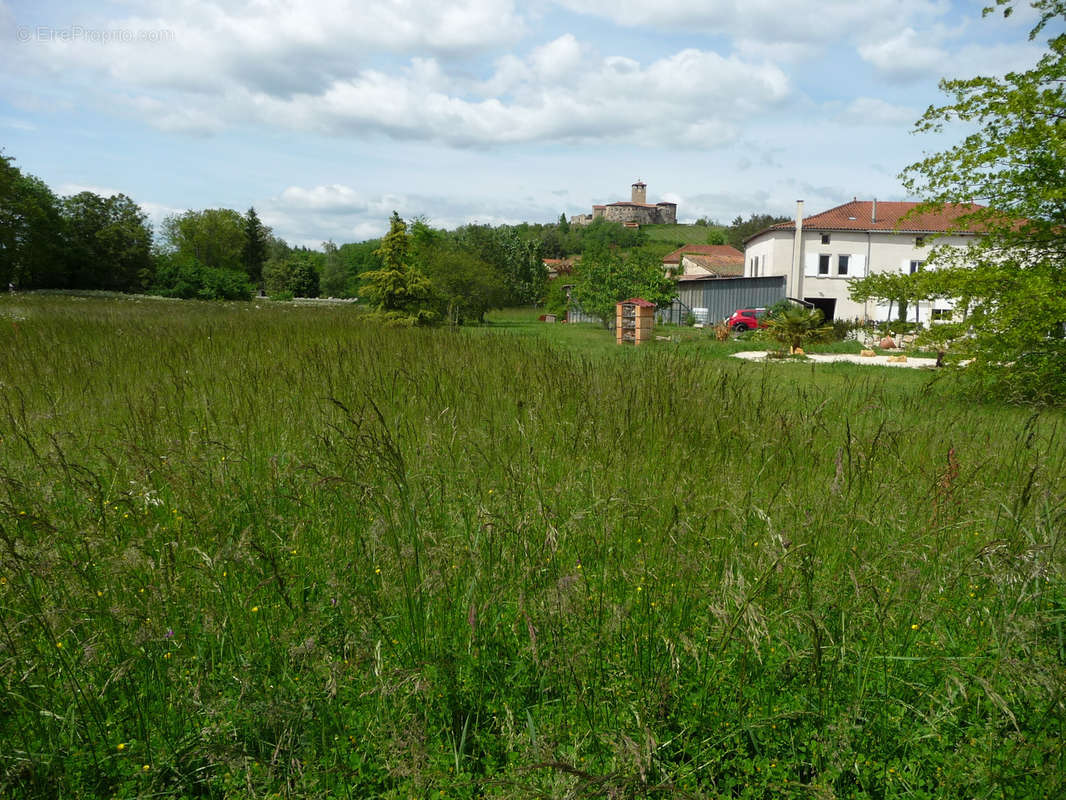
{"points": [[256, 239], [303, 277], [740, 229], [717, 236], [399, 293], [796, 326], [108, 243], [518, 261], [1008, 286], [215, 237], [181, 275], [466, 285], [606, 277], [333, 276], [31, 229]]}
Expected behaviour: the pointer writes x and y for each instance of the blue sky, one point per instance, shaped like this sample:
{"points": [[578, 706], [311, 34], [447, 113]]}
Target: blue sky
{"points": [[327, 116]]}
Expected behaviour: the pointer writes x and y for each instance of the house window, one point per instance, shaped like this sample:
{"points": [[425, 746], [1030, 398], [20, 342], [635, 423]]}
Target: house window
{"points": [[919, 241], [941, 313], [823, 265], [842, 265], [916, 266], [825, 238]]}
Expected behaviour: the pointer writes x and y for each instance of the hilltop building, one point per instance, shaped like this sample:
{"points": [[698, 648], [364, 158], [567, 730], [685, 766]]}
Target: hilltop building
{"points": [[634, 212]]}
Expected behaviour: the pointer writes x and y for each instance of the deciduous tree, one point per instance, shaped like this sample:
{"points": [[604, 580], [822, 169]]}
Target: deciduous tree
{"points": [[31, 247], [108, 243], [215, 237], [605, 277], [1010, 284]]}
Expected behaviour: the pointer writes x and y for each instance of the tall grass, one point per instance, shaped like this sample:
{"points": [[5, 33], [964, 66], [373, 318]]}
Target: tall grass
{"points": [[250, 551]]}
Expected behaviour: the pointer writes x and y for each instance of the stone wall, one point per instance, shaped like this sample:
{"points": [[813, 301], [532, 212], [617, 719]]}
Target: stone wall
{"points": [[633, 212]]}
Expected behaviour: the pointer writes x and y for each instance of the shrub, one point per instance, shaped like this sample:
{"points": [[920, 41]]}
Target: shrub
{"points": [[183, 276]]}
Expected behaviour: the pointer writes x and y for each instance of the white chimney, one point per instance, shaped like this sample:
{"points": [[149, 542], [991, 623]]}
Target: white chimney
{"points": [[795, 287], [873, 213]]}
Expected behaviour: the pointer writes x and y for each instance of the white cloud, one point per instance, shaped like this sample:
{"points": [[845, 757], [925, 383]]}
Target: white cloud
{"points": [[311, 215], [676, 99], [330, 68], [910, 55], [273, 46], [905, 56], [775, 22], [70, 189]]}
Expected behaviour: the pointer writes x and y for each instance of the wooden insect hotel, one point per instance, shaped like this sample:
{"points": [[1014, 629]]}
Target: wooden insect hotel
{"points": [[634, 319]]}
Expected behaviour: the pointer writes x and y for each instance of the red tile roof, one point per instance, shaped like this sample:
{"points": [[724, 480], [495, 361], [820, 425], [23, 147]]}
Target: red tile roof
{"points": [[858, 215], [724, 253], [640, 301], [718, 265]]}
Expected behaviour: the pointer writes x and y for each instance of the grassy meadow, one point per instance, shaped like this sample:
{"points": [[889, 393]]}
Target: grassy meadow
{"points": [[261, 550]]}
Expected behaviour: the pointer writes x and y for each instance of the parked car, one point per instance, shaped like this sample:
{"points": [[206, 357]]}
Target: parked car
{"points": [[746, 319]]}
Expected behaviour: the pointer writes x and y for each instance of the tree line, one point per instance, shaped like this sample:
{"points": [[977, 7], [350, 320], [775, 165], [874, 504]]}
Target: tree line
{"points": [[90, 242]]}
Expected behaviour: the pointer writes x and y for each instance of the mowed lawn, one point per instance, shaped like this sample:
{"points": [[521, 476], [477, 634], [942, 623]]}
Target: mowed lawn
{"points": [[263, 550]]}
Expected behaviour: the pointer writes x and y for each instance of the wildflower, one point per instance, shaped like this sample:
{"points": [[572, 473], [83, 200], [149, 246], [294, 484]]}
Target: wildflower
{"points": [[377, 570], [640, 588], [59, 645], [255, 609], [3, 581], [169, 634], [120, 746], [914, 627], [146, 767]]}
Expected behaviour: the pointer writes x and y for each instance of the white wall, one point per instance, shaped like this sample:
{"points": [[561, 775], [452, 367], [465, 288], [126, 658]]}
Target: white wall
{"points": [[869, 253]]}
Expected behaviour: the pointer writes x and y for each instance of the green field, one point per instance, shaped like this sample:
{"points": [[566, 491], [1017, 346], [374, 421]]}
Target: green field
{"points": [[677, 235], [261, 550]]}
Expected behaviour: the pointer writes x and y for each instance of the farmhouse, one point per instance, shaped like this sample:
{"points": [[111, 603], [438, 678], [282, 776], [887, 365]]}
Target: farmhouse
{"points": [[707, 260], [633, 212], [819, 255]]}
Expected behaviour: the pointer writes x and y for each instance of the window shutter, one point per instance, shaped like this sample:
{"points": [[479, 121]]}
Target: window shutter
{"points": [[857, 266], [905, 266], [810, 267]]}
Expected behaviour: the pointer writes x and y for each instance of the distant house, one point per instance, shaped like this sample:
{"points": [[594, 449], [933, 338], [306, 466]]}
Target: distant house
{"points": [[632, 213], [711, 260], [823, 253]]}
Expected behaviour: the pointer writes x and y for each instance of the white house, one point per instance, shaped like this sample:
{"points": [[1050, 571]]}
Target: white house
{"points": [[821, 254]]}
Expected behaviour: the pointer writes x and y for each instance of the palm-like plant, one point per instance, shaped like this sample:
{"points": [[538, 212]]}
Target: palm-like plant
{"points": [[796, 326]]}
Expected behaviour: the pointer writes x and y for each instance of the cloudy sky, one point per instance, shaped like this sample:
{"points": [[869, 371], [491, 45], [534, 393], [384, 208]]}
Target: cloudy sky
{"points": [[327, 115]]}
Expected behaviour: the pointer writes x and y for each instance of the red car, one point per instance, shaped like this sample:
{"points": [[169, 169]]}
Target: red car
{"points": [[746, 319]]}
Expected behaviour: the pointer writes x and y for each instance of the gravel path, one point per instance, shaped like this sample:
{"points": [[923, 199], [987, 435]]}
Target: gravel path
{"points": [[912, 362]]}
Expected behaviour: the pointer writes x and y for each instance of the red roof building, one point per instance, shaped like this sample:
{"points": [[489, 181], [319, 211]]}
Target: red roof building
{"points": [[852, 240]]}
